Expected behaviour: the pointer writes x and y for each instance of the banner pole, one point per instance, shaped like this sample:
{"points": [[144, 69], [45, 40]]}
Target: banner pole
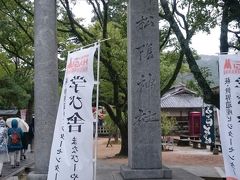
{"points": [[99, 41], [97, 102]]}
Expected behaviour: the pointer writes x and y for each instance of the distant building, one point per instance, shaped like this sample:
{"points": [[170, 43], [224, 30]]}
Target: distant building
{"points": [[180, 101], [185, 106], [7, 113]]}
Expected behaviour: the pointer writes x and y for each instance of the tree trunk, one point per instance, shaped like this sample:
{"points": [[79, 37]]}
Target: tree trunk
{"points": [[224, 30], [175, 73], [209, 96], [124, 141]]}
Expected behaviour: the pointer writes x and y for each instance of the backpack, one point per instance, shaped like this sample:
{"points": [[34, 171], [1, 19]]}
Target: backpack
{"points": [[15, 138]]}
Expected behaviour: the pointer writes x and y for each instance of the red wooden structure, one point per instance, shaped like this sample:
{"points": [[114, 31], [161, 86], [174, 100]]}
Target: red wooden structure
{"points": [[195, 123]]}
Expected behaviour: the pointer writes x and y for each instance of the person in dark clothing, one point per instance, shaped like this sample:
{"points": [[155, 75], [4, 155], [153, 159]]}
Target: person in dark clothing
{"points": [[15, 136], [30, 135], [24, 145]]}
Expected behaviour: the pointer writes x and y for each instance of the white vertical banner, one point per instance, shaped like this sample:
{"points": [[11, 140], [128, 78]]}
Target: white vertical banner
{"points": [[72, 146], [23, 113], [229, 71]]}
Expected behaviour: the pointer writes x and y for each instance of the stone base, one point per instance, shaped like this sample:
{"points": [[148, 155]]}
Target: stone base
{"points": [[33, 176], [177, 174], [131, 174]]}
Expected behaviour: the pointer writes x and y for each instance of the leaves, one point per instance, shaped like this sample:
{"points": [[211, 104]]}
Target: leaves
{"points": [[12, 95], [168, 124], [16, 27]]}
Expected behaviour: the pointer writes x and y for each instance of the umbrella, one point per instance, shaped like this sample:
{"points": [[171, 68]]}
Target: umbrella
{"points": [[21, 124]]}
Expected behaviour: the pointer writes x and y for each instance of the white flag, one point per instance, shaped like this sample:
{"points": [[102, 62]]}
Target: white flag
{"points": [[72, 147], [229, 70]]}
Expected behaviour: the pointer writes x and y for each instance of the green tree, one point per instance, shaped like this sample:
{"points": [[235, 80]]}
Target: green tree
{"points": [[16, 43], [230, 25], [113, 129], [11, 94], [110, 21], [16, 61], [188, 17], [113, 64], [168, 124], [16, 30], [200, 15], [170, 65]]}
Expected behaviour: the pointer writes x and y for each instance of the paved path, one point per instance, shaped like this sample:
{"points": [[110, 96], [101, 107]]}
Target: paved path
{"points": [[199, 162], [8, 171], [106, 169]]}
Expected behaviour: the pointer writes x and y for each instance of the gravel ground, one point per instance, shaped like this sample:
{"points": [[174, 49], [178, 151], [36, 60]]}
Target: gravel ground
{"points": [[179, 156]]}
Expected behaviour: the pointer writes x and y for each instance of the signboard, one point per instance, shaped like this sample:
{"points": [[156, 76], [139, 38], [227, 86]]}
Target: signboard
{"points": [[72, 147], [207, 130], [229, 70]]}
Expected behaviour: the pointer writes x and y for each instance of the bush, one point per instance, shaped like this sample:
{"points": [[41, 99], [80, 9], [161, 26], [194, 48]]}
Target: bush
{"points": [[167, 124]]}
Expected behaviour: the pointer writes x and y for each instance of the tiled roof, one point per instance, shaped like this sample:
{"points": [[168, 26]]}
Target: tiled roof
{"points": [[181, 101], [181, 97], [8, 112]]}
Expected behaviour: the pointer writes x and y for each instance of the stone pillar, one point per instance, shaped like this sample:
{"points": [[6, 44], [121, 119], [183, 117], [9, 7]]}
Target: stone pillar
{"points": [[144, 132], [45, 84]]}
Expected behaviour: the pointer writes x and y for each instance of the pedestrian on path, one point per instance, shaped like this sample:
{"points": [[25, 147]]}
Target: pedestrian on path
{"points": [[15, 136], [24, 146], [31, 136], [3, 144]]}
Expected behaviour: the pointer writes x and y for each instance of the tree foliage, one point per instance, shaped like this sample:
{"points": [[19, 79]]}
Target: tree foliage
{"points": [[168, 124], [16, 59], [188, 17], [185, 25], [11, 94], [16, 29]]}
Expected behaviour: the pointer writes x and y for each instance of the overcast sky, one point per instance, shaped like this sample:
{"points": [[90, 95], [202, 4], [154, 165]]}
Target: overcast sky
{"points": [[203, 43], [207, 44]]}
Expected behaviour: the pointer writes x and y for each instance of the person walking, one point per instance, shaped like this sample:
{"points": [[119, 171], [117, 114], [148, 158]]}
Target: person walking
{"points": [[3, 144], [24, 146], [15, 136], [31, 136]]}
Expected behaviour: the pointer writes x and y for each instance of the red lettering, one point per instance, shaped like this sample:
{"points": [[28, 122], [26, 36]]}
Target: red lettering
{"points": [[227, 64]]}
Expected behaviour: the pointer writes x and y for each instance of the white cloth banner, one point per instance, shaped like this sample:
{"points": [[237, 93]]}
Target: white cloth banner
{"points": [[72, 146], [229, 71], [23, 113]]}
